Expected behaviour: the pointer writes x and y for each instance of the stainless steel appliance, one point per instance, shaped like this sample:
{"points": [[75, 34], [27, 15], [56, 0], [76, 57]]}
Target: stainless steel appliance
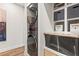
{"points": [[32, 41]]}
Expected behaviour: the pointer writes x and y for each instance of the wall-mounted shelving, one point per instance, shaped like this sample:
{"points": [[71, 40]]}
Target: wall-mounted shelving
{"points": [[73, 18], [67, 13], [59, 9]]}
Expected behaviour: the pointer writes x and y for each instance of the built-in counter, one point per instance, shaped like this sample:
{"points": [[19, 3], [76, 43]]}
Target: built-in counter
{"points": [[66, 34], [63, 42]]}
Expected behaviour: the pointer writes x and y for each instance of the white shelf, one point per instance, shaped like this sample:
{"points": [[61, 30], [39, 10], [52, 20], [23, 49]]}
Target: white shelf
{"points": [[65, 15], [63, 7], [65, 22], [59, 21], [71, 4], [59, 4], [77, 18]]}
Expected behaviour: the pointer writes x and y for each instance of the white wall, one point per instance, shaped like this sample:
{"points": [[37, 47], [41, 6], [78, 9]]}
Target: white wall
{"points": [[44, 25], [49, 10], [15, 27]]}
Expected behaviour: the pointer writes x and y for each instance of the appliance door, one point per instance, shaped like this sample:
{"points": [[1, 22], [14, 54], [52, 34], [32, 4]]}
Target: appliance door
{"points": [[32, 45]]}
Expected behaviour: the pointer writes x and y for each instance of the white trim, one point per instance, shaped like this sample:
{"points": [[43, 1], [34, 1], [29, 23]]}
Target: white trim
{"points": [[28, 4], [53, 51], [73, 18], [71, 4], [59, 21], [59, 8], [26, 53], [53, 17], [65, 17]]}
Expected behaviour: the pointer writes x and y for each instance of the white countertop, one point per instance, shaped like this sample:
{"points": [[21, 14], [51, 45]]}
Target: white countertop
{"points": [[66, 34]]}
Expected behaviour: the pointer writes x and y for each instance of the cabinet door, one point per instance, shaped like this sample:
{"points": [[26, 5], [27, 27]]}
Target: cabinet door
{"points": [[51, 41], [67, 46], [47, 40], [73, 11], [59, 15]]}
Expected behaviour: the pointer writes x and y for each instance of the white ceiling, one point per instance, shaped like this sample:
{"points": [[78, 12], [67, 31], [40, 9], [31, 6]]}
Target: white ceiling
{"points": [[21, 4]]}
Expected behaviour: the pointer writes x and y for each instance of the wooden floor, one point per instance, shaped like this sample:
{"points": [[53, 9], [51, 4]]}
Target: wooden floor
{"points": [[49, 53], [14, 52]]}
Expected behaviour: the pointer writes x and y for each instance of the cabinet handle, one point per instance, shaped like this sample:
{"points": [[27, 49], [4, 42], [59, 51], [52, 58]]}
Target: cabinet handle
{"points": [[76, 7]]}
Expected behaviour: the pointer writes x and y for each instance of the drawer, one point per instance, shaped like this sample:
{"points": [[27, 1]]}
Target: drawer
{"points": [[67, 46], [73, 11], [59, 15], [51, 42], [48, 53]]}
